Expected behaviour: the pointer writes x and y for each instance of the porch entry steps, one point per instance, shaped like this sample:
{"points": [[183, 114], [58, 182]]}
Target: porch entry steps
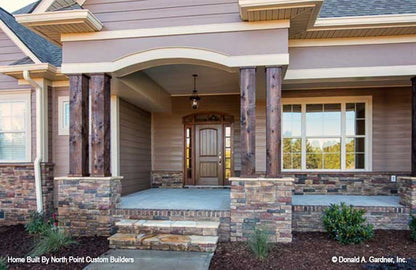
{"points": [[200, 236]]}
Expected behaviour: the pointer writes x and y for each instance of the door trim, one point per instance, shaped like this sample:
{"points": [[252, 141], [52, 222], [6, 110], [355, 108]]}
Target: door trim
{"points": [[205, 118]]}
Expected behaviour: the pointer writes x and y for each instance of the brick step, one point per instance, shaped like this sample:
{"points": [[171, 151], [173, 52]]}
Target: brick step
{"points": [[201, 228], [172, 242]]}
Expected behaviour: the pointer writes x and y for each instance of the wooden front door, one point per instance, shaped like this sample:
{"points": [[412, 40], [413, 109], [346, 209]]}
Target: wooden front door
{"points": [[209, 168]]}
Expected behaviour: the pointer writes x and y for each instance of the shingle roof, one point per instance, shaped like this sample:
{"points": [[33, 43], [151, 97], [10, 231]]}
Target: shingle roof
{"points": [[346, 8], [46, 51], [27, 9]]}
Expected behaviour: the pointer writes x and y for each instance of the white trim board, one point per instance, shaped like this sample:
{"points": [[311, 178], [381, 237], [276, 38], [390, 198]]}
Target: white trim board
{"points": [[16, 40], [350, 72], [177, 30], [299, 43]]}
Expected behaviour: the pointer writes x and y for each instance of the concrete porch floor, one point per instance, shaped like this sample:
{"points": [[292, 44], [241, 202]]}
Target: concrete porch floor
{"points": [[219, 199]]}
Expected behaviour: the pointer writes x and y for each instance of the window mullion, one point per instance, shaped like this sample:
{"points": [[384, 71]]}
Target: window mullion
{"points": [[303, 134], [343, 136]]}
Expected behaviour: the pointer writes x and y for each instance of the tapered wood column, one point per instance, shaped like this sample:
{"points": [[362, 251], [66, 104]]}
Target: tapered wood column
{"points": [[273, 121], [78, 135], [414, 126], [100, 134], [248, 121]]}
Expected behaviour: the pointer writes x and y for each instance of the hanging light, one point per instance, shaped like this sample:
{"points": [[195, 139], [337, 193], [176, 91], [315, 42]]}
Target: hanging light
{"points": [[195, 98]]}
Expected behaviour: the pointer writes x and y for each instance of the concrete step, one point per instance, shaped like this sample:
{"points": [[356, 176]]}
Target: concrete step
{"points": [[172, 242], [201, 228]]}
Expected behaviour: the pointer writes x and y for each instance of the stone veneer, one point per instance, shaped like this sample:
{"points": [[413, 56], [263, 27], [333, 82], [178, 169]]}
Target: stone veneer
{"points": [[407, 192], [85, 204], [264, 203], [343, 184], [18, 191], [167, 179], [221, 216], [308, 218]]}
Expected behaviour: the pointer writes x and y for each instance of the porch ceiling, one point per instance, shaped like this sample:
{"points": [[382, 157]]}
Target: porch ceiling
{"points": [[177, 79]]}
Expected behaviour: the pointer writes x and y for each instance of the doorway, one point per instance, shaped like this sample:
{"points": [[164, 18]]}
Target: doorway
{"points": [[208, 148]]}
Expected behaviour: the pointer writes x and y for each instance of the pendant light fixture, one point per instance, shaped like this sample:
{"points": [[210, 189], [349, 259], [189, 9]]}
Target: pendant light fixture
{"points": [[195, 98]]}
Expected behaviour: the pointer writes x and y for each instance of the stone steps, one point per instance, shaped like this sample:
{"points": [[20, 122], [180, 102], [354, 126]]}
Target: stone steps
{"points": [[200, 236], [164, 242], [201, 228]]}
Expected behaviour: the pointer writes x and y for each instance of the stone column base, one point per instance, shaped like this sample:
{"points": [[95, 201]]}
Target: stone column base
{"points": [[264, 203], [407, 192], [85, 204]]}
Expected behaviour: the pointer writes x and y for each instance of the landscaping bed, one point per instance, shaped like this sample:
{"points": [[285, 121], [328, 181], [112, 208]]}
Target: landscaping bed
{"points": [[16, 242], [315, 251]]}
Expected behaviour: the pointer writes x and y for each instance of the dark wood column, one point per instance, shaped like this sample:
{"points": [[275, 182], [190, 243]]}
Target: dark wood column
{"points": [[78, 127], [414, 126], [273, 121], [248, 121], [100, 135]]}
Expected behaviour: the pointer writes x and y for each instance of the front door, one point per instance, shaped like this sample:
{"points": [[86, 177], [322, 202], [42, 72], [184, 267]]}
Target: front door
{"points": [[208, 163]]}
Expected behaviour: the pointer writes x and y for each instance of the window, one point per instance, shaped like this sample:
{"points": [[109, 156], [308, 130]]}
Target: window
{"points": [[228, 152], [325, 136], [188, 152], [15, 127], [63, 114]]}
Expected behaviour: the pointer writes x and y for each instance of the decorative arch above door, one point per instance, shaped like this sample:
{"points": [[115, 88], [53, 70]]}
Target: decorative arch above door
{"points": [[208, 148]]}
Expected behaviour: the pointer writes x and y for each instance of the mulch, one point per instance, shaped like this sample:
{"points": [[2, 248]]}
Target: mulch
{"points": [[16, 242], [315, 251]]}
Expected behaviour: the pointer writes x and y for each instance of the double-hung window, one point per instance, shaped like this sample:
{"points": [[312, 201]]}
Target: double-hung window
{"points": [[15, 136], [326, 136]]}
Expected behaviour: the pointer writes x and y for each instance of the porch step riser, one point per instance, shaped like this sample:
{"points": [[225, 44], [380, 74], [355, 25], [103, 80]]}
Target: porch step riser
{"points": [[176, 231], [164, 242]]}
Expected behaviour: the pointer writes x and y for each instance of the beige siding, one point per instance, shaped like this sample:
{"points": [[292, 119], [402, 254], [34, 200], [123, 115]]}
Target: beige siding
{"points": [[9, 53], [391, 138], [168, 131], [60, 142], [135, 147], [129, 14]]}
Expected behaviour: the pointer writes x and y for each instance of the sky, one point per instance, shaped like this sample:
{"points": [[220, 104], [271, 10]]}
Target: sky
{"points": [[12, 5]]}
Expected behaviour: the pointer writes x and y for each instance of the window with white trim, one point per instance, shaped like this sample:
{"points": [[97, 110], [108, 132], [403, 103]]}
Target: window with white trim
{"points": [[63, 114], [333, 135], [15, 136]]}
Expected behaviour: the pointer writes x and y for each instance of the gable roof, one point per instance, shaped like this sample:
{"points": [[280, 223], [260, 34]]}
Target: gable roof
{"points": [[348, 8], [27, 9], [44, 50]]}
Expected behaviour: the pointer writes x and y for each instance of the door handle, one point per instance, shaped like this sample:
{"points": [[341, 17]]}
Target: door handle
{"points": [[220, 159]]}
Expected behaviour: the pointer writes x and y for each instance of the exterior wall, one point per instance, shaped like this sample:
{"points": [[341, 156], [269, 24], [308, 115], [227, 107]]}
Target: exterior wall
{"points": [[407, 192], [18, 195], [309, 218], [60, 142], [135, 148], [120, 14], [164, 179], [391, 140], [221, 216], [258, 42], [168, 131], [85, 204]]}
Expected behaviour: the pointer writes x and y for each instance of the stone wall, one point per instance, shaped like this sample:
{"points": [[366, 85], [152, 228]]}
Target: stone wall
{"points": [[309, 218], [167, 179], [221, 216], [18, 191], [407, 192], [261, 202], [85, 204], [343, 184]]}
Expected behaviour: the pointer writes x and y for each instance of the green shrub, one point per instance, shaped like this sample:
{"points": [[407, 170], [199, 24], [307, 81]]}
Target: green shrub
{"points": [[3, 263], [412, 226], [258, 243], [51, 241], [37, 224], [346, 224]]}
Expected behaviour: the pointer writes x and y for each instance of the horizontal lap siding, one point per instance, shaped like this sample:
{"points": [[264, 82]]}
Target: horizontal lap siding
{"points": [[60, 142], [122, 14], [168, 129], [135, 148], [391, 138]]}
